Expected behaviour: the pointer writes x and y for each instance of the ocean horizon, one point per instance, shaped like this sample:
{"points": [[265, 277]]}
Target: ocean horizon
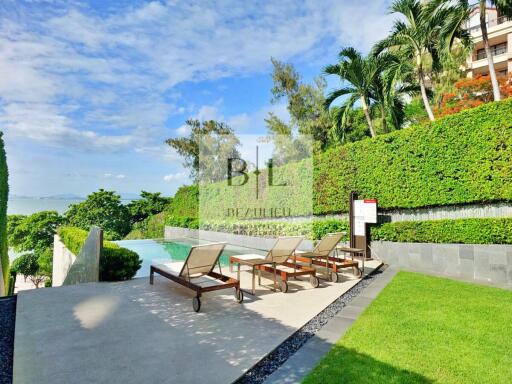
{"points": [[30, 205]]}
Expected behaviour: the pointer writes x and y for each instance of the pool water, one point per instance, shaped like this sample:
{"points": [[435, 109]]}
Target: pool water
{"points": [[175, 250]]}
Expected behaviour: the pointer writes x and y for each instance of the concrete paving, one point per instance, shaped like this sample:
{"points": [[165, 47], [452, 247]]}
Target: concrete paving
{"points": [[306, 358], [132, 332]]}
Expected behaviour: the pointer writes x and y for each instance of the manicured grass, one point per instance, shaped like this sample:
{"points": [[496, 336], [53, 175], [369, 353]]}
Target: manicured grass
{"points": [[424, 329]]}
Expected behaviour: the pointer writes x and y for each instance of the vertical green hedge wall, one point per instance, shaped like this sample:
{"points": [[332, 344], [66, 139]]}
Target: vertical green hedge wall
{"points": [[459, 159], [4, 192]]}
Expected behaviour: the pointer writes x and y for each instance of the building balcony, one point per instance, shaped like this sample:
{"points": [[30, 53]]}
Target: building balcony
{"points": [[501, 57]]}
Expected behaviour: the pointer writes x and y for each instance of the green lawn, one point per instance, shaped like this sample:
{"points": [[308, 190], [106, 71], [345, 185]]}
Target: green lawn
{"points": [[424, 329]]}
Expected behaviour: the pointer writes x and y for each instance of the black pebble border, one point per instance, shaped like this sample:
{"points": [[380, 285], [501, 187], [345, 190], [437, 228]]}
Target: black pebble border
{"points": [[270, 363], [7, 320]]}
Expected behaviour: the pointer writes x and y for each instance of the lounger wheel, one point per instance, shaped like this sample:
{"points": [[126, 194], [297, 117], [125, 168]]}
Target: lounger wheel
{"points": [[239, 295], [314, 281], [357, 272], [196, 303], [284, 286], [334, 277]]}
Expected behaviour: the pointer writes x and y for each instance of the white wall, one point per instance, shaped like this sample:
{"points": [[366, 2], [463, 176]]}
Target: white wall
{"points": [[63, 259]]}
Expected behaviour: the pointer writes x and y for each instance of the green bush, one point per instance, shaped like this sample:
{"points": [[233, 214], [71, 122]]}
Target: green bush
{"points": [[183, 222], [150, 228], [461, 231], [104, 209], [459, 159], [12, 283], [185, 202], [321, 228], [4, 192], [313, 230], [116, 263], [462, 158]]}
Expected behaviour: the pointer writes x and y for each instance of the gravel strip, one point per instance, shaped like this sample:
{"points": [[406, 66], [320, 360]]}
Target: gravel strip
{"points": [[7, 319], [265, 367]]}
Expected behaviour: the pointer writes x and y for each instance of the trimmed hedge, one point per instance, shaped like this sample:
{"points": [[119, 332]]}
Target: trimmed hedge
{"points": [[150, 228], [4, 193], [313, 230], [460, 231], [116, 263], [459, 159], [185, 202]]}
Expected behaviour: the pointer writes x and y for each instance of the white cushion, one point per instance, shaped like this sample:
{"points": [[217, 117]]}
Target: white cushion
{"points": [[172, 267], [250, 256]]}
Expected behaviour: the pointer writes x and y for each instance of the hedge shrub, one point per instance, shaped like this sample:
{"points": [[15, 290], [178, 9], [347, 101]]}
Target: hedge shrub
{"points": [[116, 263], [312, 230], [185, 202], [461, 231], [151, 228], [4, 192], [459, 159]]}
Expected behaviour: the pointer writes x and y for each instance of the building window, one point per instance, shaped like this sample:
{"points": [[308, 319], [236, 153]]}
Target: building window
{"points": [[497, 49]]}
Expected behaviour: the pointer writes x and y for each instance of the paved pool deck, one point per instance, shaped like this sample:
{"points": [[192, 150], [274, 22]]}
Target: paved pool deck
{"points": [[133, 332]]}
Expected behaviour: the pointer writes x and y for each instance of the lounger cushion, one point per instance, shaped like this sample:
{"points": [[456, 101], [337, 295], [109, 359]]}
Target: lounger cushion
{"points": [[175, 267], [172, 267], [250, 256]]}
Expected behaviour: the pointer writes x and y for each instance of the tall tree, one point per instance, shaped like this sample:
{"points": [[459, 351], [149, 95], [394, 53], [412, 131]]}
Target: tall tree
{"points": [[504, 8], [415, 35], [215, 141], [104, 209], [304, 102], [360, 74], [392, 84]]}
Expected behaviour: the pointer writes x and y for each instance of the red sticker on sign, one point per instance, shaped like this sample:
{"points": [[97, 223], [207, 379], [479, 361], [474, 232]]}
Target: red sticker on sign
{"points": [[370, 200]]}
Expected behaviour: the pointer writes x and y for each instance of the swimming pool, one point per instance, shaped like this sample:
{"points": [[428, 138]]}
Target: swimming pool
{"points": [[176, 250]]}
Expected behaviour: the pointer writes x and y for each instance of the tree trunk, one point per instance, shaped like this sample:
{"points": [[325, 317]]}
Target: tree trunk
{"points": [[383, 116], [368, 117], [490, 61], [421, 79]]}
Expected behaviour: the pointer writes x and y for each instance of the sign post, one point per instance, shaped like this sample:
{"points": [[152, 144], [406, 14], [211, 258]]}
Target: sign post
{"points": [[361, 213]]}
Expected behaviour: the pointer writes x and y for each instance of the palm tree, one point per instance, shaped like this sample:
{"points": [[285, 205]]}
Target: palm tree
{"points": [[390, 88], [360, 73], [504, 8], [416, 38]]}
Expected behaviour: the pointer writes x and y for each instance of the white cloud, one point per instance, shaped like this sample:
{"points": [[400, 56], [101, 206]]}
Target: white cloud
{"points": [[70, 76], [175, 176]]}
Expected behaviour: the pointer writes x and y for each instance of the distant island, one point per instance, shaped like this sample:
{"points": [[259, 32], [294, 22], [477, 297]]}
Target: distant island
{"points": [[69, 196]]}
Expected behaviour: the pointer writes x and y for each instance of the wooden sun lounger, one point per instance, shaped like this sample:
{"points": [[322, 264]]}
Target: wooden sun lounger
{"points": [[197, 274], [320, 256], [276, 262]]}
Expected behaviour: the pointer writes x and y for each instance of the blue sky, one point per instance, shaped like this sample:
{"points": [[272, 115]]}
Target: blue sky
{"points": [[90, 90]]}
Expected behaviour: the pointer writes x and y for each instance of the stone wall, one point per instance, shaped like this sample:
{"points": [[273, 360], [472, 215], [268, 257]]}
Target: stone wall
{"points": [[63, 259], [470, 262], [69, 269]]}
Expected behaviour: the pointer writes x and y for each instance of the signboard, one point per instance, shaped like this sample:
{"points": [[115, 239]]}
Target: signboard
{"points": [[365, 211], [370, 211]]}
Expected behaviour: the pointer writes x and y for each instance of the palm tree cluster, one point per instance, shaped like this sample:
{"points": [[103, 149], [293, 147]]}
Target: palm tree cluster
{"points": [[422, 43]]}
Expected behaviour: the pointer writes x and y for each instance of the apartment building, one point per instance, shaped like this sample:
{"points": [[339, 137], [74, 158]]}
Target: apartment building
{"points": [[499, 30]]}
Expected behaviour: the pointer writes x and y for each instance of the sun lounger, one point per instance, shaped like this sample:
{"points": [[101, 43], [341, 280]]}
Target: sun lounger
{"points": [[197, 272], [322, 256], [276, 262]]}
